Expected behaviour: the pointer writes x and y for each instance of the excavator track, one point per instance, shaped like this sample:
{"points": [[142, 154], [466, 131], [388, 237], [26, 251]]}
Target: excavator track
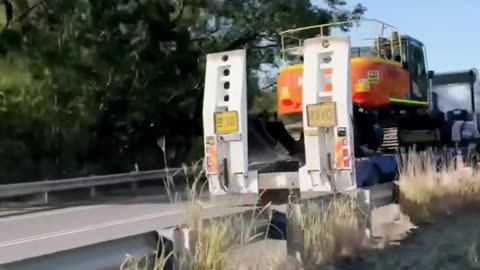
{"points": [[390, 139]]}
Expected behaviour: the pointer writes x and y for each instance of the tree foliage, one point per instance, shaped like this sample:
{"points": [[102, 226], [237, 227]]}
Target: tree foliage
{"points": [[90, 86]]}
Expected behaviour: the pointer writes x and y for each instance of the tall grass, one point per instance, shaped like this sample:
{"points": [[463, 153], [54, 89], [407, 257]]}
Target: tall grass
{"points": [[331, 230], [215, 238], [434, 184]]}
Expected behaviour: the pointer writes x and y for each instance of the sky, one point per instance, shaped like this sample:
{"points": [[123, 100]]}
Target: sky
{"points": [[448, 29]]}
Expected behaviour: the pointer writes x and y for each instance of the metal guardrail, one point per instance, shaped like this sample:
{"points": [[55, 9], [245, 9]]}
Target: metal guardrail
{"points": [[102, 255], [12, 190]]}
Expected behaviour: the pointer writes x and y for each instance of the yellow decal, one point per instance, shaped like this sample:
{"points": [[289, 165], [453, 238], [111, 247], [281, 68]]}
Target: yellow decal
{"points": [[226, 122], [373, 76], [362, 86], [322, 115]]}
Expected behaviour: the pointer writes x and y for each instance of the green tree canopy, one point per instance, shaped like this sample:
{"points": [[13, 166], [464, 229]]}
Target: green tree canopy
{"points": [[89, 86]]}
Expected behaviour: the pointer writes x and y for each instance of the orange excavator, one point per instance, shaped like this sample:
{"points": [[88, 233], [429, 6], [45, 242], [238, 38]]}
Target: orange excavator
{"points": [[390, 87]]}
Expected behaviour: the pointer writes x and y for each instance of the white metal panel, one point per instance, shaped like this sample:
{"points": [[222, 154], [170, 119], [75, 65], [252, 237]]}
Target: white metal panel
{"points": [[342, 96], [320, 55], [278, 180], [226, 90]]}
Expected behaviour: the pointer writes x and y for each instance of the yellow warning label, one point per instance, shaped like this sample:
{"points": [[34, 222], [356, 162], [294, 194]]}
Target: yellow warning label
{"points": [[226, 122], [362, 86], [321, 115], [373, 76]]}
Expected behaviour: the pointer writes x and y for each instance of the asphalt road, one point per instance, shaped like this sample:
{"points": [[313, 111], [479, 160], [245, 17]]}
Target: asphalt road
{"points": [[35, 234]]}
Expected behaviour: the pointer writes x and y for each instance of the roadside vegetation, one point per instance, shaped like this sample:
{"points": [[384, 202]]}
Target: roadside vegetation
{"points": [[332, 229], [433, 185], [430, 189], [439, 194]]}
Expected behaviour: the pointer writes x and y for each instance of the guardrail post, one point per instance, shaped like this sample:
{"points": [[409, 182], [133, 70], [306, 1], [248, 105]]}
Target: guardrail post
{"points": [[93, 192], [134, 185], [295, 232], [184, 243], [45, 197]]}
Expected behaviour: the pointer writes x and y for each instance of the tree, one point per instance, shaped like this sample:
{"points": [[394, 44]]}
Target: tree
{"points": [[89, 86], [256, 25]]}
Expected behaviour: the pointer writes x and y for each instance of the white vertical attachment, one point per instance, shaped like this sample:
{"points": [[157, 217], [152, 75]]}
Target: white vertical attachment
{"points": [[225, 124], [327, 116]]}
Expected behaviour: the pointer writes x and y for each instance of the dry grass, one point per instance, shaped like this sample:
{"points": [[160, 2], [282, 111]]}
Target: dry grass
{"points": [[218, 238], [433, 186], [215, 238], [332, 230], [430, 187]]}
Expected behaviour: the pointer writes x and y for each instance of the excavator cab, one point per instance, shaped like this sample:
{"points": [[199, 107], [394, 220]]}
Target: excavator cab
{"points": [[411, 56]]}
